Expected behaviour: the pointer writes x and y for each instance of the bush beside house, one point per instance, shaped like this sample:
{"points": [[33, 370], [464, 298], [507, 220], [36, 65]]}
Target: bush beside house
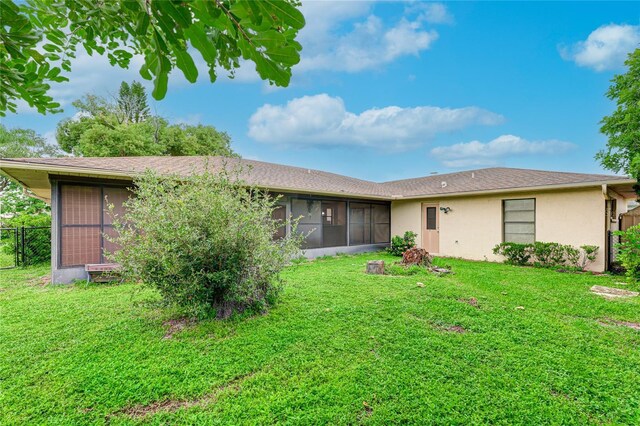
{"points": [[400, 244], [629, 251], [547, 255]]}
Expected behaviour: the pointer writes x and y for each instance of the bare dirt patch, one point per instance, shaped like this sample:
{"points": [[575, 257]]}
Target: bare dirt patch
{"points": [[172, 405], [42, 281], [608, 322], [612, 293], [470, 301], [175, 326], [450, 328]]}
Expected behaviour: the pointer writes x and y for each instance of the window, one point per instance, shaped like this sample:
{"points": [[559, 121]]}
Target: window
{"points": [[84, 218], [519, 218], [431, 218], [369, 223]]}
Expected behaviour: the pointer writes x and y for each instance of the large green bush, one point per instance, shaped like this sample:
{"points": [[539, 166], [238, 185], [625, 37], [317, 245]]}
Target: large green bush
{"points": [[401, 244], [629, 251], [514, 253], [547, 255], [37, 238], [205, 242]]}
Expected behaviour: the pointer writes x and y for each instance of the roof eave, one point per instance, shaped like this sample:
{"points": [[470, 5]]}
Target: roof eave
{"points": [[53, 169], [580, 185]]}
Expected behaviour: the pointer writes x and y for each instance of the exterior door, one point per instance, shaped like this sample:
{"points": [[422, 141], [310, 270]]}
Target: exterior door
{"points": [[431, 228]]}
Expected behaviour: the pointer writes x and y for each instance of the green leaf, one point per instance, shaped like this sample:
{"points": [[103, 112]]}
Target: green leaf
{"points": [[143, 24], [186, 65], [162, 78], [200, 41], [284, 10], [286, 55]]}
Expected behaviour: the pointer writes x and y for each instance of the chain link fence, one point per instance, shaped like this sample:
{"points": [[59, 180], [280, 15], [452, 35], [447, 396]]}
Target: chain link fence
{"points": [[24, 246]]}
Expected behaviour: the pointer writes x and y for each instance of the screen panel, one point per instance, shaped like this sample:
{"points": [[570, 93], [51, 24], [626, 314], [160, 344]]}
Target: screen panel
{"points": [[80, 245], [359, 223], [334, 223], [280, 214], [115, 197], [309, 211], [313, 236], [80, 205], [84, 219], [381, 223]]}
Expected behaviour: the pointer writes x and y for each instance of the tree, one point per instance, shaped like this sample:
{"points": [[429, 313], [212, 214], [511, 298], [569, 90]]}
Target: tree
{"points": [[132, 103], [40, 38], [121, 140], [622, 127], [16, 143], [182, 139], [124, 128], [219, 252]]}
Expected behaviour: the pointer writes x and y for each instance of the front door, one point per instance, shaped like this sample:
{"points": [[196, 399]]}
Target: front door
{"points": [[430, 228]]}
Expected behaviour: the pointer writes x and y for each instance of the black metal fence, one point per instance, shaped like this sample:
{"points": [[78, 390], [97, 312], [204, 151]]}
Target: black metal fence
{"points": [[24, 246], [613, 250]]}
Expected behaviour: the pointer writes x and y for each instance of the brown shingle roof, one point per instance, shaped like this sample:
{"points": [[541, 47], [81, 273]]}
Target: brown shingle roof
{"points": [[281, 177], [491, 179], [266, 175]]}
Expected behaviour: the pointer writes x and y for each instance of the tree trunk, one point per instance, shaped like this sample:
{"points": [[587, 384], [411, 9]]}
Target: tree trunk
{"points": [[375, 267]]}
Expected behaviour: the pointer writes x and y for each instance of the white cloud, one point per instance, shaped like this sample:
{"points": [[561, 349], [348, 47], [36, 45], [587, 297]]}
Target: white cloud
{"points": [[338, 36], [333, 42], [476, 153], [605, 48], [322, 120], [50, 137], [433, 13]]}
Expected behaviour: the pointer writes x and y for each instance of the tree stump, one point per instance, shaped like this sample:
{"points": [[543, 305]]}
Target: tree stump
{"points": [[375, 267]]}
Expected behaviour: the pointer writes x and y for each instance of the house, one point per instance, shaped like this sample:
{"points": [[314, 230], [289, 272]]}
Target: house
{"points": [[630, 218], [463, 214]]}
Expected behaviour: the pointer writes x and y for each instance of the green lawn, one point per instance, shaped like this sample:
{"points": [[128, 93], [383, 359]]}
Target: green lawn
{"points": [[341, 347]]}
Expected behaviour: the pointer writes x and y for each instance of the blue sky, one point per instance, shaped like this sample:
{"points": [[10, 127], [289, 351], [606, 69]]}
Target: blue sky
{"points": [[394, 90]]}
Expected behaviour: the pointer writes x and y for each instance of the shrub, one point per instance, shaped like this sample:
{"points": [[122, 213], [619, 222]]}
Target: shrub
{"points": [[572, 256], [514, 253], [548, 255], [401, 244], [37, 238], [204, 242], [589, 254], [629, 251]]}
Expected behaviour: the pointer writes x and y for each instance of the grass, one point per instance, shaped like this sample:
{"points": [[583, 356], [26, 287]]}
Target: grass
{"points": [[7, 260], [341, 347]]}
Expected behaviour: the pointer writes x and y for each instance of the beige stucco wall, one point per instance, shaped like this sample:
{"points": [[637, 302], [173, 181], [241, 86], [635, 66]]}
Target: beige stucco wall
{"points": [[474, 225]]}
